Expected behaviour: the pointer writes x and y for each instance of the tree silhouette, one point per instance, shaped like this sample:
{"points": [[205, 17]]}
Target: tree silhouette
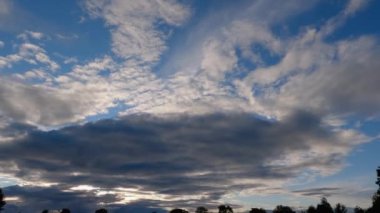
{"points": [[375, 208], [225, 209], [65, 211], [2, 202], [256, 210], [324, 206], [357, 209], [283, 209], [45, 211], [201, 209], [339, 208], [102, 210], [311, 209], [178, 211]]}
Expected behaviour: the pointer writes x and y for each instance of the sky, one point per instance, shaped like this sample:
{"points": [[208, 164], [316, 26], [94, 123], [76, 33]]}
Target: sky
{"points": [[150, 105]]}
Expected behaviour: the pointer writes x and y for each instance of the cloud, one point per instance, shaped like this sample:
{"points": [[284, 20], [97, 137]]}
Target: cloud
{"points": [[30, 53], [141, 37], [2, 44], [179, 158], [319, 192], [35, 199], [340, 81], [354, 6], [36, 105], [31, 35]]}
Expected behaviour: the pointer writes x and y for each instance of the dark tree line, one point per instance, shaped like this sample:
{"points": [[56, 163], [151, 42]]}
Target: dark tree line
{"points": [[323, 207]]}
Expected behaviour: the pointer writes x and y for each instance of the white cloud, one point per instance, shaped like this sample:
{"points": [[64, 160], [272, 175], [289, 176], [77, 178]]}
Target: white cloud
{"points": [[2, 44], [25, 36], [30, 53], [354, 6], [140, 37]]}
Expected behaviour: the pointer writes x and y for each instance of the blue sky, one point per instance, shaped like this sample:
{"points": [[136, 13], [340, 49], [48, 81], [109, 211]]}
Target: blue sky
{"points": [[163, 104]]}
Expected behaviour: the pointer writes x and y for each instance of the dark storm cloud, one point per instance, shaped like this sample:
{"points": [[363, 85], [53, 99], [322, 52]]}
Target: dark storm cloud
{"points": [[173, 156]]}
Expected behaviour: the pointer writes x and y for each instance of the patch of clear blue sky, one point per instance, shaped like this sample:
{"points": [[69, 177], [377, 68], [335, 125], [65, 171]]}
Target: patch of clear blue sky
{"points": [[57, 19]]}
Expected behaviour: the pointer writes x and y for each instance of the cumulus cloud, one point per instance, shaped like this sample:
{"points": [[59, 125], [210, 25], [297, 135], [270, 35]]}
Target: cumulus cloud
{"points": [[186, 157], [30, 53]]}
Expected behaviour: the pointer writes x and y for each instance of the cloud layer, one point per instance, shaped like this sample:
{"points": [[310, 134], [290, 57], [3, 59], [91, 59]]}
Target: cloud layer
{"points": [[235, 102], [198, 158]]}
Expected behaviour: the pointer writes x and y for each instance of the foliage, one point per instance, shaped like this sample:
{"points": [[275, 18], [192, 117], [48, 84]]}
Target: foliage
{"points": [[283, 209], [102, 210], [358, 210], [225, 209], [201, 209], [324, 206], [256, 210], [339, 208], [178, 211]]}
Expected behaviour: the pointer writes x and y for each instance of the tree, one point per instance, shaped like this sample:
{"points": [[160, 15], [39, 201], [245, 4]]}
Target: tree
{"points": [[45, 211], [102, 210], [375, 208], [178, 211], [283, 209], [339, 208], [225, 209], [358, 210], [2, 202], [324, 206], [311, 209], [201, 209], [65, 211], [256, 210]]}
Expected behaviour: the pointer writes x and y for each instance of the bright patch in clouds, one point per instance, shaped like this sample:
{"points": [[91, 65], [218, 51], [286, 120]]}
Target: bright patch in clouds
{"points": [[162, 104]]}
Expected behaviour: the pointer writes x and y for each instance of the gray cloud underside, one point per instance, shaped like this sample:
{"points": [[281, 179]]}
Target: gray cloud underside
{"points": [[319, 192], [36, 199], [209, 155]]}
